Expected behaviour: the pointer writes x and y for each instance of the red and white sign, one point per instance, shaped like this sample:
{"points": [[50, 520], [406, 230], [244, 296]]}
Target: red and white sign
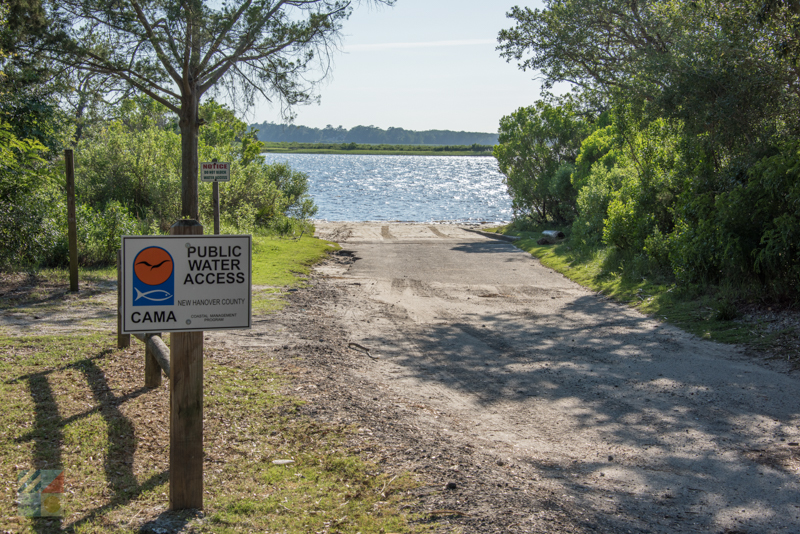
{"points": [[215, 172]]}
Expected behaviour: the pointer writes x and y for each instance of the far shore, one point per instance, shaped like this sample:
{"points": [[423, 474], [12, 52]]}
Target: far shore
{"points": [[376, 150]]}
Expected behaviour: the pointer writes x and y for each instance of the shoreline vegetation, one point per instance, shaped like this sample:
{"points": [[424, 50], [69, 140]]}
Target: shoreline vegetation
{"points": [[670, 196], [721, 313], [372, 135], [378, 150]]}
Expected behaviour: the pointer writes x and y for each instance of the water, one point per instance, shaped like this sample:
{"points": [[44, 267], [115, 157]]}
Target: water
{"points": [[403, 188]]}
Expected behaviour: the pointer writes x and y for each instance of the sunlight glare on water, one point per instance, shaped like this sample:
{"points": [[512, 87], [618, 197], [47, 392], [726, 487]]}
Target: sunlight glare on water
{"points": [[403, 188]]}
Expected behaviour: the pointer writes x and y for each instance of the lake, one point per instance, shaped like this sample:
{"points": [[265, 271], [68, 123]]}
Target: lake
{"points": [[403, 188]]}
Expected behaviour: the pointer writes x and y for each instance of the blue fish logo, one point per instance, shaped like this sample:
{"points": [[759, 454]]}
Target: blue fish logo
{"points": [[153, 278]]}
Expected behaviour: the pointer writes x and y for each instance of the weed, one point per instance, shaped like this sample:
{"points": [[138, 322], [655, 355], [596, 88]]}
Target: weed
{"points": [[726, 310]]}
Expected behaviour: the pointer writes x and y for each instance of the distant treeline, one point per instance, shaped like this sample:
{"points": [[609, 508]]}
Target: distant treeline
{"points": [[281, 133], [371, 148]]}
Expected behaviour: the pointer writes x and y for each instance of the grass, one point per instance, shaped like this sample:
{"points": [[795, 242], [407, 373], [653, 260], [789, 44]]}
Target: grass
{"points": [[280, 264], [74, 402], [286, 262], [382, 150], [708, 312]]}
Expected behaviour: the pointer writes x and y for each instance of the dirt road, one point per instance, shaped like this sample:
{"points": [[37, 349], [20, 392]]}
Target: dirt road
{"points": [[546, 407], [521, 401]]}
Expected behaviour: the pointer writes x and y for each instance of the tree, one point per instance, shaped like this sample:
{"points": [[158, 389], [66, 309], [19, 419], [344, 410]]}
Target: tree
{"points": [[727, 69], [536, 152], [699, 170], [89, 98], [176, 51]]}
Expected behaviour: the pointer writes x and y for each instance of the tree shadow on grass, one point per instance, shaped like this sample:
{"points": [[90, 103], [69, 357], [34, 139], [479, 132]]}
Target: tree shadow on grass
{"points": [[48, 435]]}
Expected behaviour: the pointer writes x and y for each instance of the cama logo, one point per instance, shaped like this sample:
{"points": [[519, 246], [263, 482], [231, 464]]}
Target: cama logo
{"points": [[153, 278]]}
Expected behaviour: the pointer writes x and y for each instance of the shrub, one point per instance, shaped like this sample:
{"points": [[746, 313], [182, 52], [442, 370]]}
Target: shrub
{"points": [[536, 152], [139, 169], [31, 230], [594, 199]]}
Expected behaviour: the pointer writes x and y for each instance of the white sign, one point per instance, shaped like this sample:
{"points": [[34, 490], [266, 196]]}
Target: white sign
{"points": [[185, 283], [215, 172]]}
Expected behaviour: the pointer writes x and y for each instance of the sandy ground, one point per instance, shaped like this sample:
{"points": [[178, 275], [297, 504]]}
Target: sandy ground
{"points": [[555, 410], [520, 400]]}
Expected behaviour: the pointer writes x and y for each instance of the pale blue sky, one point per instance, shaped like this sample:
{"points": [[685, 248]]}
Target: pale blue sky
{"points": [[420, 65]]}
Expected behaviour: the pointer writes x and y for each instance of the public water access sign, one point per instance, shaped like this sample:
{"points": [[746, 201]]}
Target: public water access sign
{"points": [[215, 172], [185, 283]]}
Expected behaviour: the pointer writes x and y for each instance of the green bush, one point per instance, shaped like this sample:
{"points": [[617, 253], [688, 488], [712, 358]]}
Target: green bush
{"points": [[31, 230], [747, 233], [139, 169], [100, 232], [601, 146], [774, 187], [260, 196], [536, 151], [594, 199]]}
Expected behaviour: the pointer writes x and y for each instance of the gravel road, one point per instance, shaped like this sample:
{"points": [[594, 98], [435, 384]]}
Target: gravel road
{"points": [[544, 406]]}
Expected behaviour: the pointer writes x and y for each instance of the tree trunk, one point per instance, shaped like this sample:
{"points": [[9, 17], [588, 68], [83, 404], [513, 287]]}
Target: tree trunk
{"points": [[78, 123], [190, 128]]}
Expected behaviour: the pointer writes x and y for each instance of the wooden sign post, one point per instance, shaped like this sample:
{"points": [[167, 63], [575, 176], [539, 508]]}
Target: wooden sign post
{"points": [[215, 198], [123, 340], [186, 284], [215, 172], [72, 225], [186, 407]]}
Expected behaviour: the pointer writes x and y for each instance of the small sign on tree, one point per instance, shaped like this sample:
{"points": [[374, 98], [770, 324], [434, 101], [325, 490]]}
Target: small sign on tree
{"points": [[215, 172]]}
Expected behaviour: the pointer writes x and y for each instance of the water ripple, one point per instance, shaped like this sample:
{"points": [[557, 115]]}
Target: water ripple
{"points": [[403, 188]]}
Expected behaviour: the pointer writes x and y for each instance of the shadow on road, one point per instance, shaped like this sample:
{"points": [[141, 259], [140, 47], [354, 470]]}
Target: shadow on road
{"points": [[690, 436]]}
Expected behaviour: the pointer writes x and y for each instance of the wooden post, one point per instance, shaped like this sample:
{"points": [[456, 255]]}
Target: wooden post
{"points": [[158, 350], [72, 227], [216, 207], [186, 407], [152, 370], [123, 340]]}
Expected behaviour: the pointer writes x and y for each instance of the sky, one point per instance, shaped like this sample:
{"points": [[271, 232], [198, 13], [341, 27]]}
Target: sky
{"points": [[419, 65]]}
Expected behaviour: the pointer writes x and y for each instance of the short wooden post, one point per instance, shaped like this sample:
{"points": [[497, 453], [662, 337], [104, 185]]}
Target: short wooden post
{"points": [[152, 370], [158, 350], [186, 407], [216, 207], [72, 226], [123, 340]]}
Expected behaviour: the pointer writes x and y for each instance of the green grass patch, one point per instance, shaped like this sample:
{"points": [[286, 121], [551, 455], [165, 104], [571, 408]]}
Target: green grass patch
{"points": [[708, 312], [73, 403], [282, 263], [286, 262]]}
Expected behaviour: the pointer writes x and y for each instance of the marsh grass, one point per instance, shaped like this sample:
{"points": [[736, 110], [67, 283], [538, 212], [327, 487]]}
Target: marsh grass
{"points": [[377, 150]]}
